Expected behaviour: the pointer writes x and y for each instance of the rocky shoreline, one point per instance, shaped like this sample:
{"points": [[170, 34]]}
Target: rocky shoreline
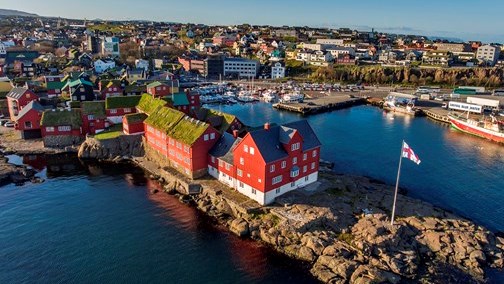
{"points": [[341, 229]]}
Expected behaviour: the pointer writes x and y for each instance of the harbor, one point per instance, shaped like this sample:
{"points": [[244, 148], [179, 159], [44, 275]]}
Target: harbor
{"points": [[321, 104]]}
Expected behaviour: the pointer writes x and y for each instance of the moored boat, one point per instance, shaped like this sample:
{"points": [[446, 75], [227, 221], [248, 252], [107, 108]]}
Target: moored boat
{"points": [[489, 128]]}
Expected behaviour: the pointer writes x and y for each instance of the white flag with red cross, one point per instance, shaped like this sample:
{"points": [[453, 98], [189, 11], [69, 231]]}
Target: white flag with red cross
{"points": [[407, 152]]}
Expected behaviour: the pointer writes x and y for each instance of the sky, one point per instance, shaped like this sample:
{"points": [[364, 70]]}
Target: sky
{"points": [[464, 19]]}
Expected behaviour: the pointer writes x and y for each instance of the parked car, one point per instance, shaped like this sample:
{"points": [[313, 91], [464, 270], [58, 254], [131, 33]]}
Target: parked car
{"points": [[3, 121], [9, 124]]}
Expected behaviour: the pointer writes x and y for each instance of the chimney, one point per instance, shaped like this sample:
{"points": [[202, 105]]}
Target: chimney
{"points": [[235, 134], [266, 126]]}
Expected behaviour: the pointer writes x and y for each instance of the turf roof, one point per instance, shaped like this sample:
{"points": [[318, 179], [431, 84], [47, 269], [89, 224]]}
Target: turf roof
{"points": [[122, 102], [135, 117], [96, 108], [61, 117], [149, 104]]}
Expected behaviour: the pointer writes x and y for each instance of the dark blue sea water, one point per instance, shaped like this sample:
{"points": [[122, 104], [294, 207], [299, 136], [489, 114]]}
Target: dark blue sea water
{"points": [[92, 224]]}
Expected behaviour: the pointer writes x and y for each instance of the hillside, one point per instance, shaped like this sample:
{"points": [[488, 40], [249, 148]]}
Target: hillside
{"points": [[8, 12]]}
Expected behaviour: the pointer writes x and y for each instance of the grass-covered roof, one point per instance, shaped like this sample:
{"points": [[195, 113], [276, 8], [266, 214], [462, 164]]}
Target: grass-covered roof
{"points": [[96, 108], [61, 117], [164, 118], [188, 130], [225, 123], [135, 117], [122, 102], [149, 104]]}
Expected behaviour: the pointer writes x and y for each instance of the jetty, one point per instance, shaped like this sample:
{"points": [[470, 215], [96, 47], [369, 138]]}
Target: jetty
{"points": [[321, 104], [437, 113]]}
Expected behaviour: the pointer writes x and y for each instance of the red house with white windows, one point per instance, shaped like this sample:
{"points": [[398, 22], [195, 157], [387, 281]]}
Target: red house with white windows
{"points": [[133, 124], [111, 88], [117, 107], [183, 141], [269, 162], [28, 120], [159, 90], [94, 118], [61, 127], [18, 98], [54, 85]]}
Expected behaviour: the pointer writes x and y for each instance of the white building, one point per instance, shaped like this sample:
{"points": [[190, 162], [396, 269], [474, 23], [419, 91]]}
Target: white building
{"points": [[242, 67], [335, 52], [330, 41], [110, 46], [320, 58], [488, 54], [102, 65], [142, 64], [3, 50], [277, 71]]}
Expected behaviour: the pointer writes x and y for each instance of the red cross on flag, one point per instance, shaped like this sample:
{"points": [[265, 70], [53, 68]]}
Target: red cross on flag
{"points": [[407, 152]]}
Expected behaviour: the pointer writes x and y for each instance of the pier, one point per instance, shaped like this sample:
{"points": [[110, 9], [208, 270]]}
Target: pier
{"points": [[437, 113], [321, 104]]}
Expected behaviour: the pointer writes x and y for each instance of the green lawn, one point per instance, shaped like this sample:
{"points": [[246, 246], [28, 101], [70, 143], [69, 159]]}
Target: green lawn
{"points": [[113, 132]]}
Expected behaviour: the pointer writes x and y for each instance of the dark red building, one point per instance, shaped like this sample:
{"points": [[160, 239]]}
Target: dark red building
{"points": [[18, 98], [159, 90], [28, 120], [61, 127], [94, 118], [134, 123], [117, 107]]}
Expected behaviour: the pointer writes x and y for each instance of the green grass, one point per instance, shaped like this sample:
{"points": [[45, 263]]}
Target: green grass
{"points": [[111, 133], [61, 118], [96, 108], [122, 102], [149, 105]]}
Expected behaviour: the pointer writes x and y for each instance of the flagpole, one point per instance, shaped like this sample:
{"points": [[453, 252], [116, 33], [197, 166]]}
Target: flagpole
{"points": [[397, 185]]}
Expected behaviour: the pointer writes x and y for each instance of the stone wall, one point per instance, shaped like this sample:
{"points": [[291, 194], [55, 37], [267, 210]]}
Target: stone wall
{"points": [[61, 141], [120, 147]]}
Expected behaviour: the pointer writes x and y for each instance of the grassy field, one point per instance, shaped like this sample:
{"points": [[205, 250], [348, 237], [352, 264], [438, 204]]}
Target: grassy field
{"points": [[111, 133]]}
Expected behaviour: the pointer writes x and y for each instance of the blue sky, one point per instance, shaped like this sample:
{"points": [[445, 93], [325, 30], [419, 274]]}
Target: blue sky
{"points": [[461, 18]]}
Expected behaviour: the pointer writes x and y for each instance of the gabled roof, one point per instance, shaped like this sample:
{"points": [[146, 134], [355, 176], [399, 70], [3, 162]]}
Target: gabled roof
{"points": [[188, 130], [155, 84], [77, 82], [164, 118], [55, 85], [135, 88], [17, 93], [62, 117], [135, 117], [223, 149], [286, 134], [96, 108], [180, 99], [219, 120], [122, 102], [23, 55], [149, 104], [33, 105], [310, 139]]}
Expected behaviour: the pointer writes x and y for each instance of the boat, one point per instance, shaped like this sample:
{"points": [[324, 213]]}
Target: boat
{"points": [[292, 97], [401, 103], [489, 128], [269, 96]]}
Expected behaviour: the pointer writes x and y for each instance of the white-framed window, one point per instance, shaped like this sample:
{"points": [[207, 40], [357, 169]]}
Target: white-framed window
{"points": [[305, 169], [254, 191], [126, 110], [295, 146], [28, 124], [305, 156], [276, 180], [313, 165], [83, 98], [239, 173], [272, 168], [113, 110], [294, 173], [179, 145], [49, 129], [213, 159], [205, 137], [294, 160], [64, 128], [212, 136], [242, 161], [241, 184], [277, 191], [314, 154], [228, 166], [90, 117], [221, 163], [245, 148], [252, 151], [306, 178], [284, 164], [172, 142], [293, 184], [186, 149]]}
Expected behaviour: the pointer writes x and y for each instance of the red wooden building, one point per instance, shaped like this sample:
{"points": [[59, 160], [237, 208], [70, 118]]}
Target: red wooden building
{"points": [[112, 88], [182, 140], [159, 90], [133, 124], [54, 85], [18, 98], [28, 120], [61, 127], [223, 122], [117, 107], [269, 162], [94, 118]]}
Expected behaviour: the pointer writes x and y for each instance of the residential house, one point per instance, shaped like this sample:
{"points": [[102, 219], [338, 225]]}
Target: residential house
{"points": [[489, 54], [61, 128], [102, 65], [182, 142], [437, 57], [112, 88], [319, 58], [136, 74], [223, 122], [188, 103], [277, 71], [79, 90], [28, 120], [142, 64], [109, 46], [17, 99], [118, 106], [54, 85], [135, 90], [20, 62], [344, 59], [336, 51], [161, 89], [330, 41], [133, 124], [94, 117], [269, 162]]}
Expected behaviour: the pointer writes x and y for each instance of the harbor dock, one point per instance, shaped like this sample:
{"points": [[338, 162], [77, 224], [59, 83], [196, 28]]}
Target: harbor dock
{"points": [[437, 113], [321, 104]]}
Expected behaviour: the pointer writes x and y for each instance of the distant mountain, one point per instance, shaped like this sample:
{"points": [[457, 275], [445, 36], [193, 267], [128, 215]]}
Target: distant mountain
{"points": [[8, 12]]}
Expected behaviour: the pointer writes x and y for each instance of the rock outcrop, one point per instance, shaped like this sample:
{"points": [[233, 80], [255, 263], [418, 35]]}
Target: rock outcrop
{"points": [[114, 149]]}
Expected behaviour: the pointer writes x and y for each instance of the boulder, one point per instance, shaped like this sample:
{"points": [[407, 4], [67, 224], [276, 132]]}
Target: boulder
{"points": [[240, 227]]}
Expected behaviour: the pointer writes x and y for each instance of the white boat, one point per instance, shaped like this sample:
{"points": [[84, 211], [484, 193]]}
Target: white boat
{"points": [[292, 97], [401, 103], [270, 96]]}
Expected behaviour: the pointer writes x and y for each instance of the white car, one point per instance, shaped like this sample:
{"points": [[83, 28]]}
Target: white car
{"points": [[9, 124]]}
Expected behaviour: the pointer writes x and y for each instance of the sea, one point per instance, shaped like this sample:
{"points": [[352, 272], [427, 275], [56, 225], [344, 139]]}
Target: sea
{"points": [[90, 223]]}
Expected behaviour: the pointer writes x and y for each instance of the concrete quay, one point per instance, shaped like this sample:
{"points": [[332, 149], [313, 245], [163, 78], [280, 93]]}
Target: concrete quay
{"points": [[321, 104]]}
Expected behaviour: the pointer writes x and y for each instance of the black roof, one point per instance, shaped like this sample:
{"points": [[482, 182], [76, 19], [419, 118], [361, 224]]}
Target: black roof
{"points": [[223, 149], [269, 142]]}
